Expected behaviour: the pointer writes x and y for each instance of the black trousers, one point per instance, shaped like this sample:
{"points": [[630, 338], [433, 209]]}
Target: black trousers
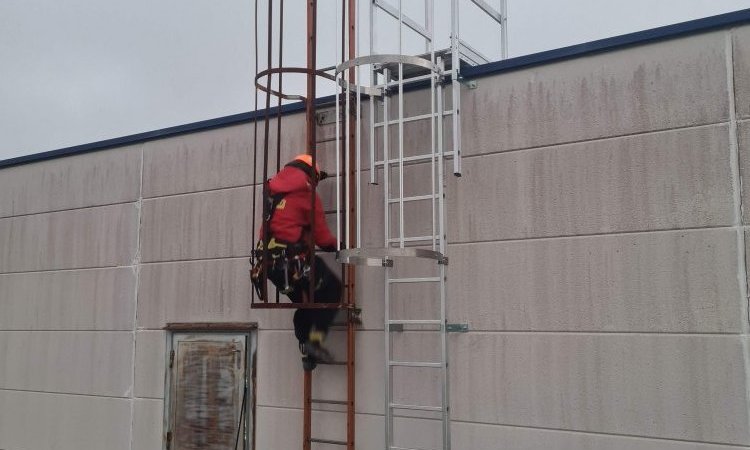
{"points": [[327, 290]]}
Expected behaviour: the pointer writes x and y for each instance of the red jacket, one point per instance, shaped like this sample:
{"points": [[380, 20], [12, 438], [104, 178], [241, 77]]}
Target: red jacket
{"points": [[292, 214]]}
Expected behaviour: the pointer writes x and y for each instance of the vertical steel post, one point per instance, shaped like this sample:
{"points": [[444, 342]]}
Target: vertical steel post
{"points": [[353, 182], [387, 233], [310, 148], [456, 87], [337, 111], [443, 248], [358, 129], [373, 82], [400, 128], [434, 115], [255, 150], [504, 29], [307, 419], [312, 8], [266, 131]]}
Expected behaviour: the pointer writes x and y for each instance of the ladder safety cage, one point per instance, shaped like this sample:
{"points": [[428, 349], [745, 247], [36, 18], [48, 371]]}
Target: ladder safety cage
{"points": [[269, 82], [414, 205]]}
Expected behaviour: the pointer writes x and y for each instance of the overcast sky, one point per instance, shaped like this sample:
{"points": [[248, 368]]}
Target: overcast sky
{"points": [[80, 71]]}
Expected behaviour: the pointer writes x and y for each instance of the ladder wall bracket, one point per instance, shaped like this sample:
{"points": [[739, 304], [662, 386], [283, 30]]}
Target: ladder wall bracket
{"points": [[457, 328], [470, 84], [396, 327]]}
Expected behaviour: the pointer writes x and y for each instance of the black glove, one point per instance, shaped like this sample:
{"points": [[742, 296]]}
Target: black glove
{"points": [[332, 248]]}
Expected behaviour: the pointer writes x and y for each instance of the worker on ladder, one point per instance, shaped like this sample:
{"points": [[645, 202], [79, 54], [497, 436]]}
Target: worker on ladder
{"points": [[289, 196]]}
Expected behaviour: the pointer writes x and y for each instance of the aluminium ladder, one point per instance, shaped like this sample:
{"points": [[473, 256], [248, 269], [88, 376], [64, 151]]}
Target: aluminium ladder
{"points": [[410, 173], [426, 248]]}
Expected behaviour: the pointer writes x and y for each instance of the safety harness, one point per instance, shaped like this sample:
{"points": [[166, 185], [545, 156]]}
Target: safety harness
{"points": [[289, 258]]}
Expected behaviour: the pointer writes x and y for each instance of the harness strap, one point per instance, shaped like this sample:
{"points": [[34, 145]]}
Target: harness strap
{"points": [[272, 200]]}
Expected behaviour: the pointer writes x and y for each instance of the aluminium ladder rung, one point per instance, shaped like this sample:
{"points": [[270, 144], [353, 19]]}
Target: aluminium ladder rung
{"points": [[421, 157], [413, 198], [416, 407], [415, 280], [433, 365], [328, 441], [416, 322], [414, 118], [393, 447], [413, 239]]}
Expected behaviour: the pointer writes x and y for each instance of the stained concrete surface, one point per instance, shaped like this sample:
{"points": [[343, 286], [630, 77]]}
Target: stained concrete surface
{"points": [[79, 181], [611, 383], [67, 362], [664, 85], [741, 53], [91, 299], [673, 281], [743, 143], [205, 225], [33, 420], [675, 179], [594, 255], [84, 238]]}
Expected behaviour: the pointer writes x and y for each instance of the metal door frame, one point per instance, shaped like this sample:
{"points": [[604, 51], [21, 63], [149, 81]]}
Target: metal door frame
{"points": [[220, 332]]}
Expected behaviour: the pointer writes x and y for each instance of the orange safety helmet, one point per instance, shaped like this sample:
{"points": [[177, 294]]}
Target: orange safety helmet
{"points": [[307, 159]]}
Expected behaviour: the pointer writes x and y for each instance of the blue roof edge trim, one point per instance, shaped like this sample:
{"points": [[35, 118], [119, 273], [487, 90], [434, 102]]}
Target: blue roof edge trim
{"points": [[573, 51], [637, 38], [132, 139]]}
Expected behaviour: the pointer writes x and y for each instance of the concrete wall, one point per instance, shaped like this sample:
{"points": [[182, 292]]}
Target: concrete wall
{"points": [[68, 277], [597, 245]]}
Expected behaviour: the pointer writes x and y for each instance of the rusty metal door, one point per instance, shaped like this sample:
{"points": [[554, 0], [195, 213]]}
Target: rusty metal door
{"points": [[208, 376]]}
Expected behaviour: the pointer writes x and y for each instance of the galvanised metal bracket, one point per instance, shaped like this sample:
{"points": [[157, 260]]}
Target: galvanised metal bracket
{"points": [[457, 327]]}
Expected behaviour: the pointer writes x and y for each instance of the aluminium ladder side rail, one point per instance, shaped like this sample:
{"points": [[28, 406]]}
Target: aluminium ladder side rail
{"points": [[385, 257], [458, 47]]}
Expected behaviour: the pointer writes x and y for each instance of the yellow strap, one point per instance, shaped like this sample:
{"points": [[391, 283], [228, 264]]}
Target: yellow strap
{"points": [[316, 336], [272, 244]]}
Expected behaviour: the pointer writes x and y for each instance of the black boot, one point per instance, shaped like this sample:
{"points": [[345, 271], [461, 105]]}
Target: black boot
{"points": [[317, 352]]}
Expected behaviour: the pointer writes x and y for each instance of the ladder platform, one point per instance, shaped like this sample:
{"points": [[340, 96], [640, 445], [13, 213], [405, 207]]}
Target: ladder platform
{"points": [[384, 256], [467, 56]]}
